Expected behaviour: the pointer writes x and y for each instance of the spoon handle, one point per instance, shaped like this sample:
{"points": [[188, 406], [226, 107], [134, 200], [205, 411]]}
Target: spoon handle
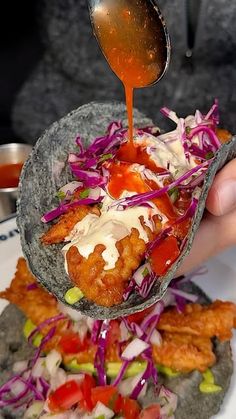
{"points": [[93, 3]]}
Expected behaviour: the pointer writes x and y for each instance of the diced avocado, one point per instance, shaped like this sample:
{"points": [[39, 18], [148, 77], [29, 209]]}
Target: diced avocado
{"points": [[86, 367], [112, 368], [206, 387], [208, 376], [167, 371]]}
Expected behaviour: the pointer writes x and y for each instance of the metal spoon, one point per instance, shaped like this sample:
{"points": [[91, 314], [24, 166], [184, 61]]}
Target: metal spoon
{"points": [[134, 39]]}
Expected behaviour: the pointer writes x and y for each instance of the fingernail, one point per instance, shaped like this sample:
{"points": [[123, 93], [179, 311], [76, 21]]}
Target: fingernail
{"points": [[227, 196]]}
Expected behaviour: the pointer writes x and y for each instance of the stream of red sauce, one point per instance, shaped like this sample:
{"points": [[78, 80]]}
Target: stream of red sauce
{"points": [[132, 42]]}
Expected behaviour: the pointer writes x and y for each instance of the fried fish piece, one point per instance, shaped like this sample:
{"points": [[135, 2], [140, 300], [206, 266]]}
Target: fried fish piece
{"points": [[106, 287], [184, 353], [59, 231], [181, 352], [37, 304], [213, 320], [186, 349]]}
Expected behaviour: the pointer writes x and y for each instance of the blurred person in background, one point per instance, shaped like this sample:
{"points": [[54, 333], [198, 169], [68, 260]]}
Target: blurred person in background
{"points": [[70, 70], [73, 71]]}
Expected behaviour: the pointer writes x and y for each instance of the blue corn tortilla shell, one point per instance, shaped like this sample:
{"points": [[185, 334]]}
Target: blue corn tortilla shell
{"points": [[192, 404], [39, 184]]}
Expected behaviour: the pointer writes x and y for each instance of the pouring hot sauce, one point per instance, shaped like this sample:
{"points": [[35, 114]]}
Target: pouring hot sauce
{"points": [[135, 45]]}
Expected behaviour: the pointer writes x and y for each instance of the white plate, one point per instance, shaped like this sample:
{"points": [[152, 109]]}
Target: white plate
{"points": [[219, 282]]}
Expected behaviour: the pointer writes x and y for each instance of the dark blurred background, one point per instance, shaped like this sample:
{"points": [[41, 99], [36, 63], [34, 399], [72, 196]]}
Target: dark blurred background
{"points": [[50, 63], [20, 50]]}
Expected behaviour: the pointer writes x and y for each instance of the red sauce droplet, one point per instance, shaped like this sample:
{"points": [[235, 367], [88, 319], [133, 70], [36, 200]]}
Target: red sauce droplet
{"points": [[9, 175]]}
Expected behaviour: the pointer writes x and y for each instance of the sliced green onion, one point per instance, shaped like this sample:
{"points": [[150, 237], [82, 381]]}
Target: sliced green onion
{"points": [[105, 157], [145, 272], [187, 130], [60, 195], [73, 295], [173, 194], [209, 155], [85, 193], [29, 326]]}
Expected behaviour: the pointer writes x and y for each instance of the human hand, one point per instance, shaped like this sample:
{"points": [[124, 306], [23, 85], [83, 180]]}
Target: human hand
{"points": [[217, 230]]}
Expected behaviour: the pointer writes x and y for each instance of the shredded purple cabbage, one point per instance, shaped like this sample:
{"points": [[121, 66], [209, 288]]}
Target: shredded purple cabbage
{"points": [[96, 330], [99, 361], [214, 141], [63, 208], [32, 391], [138, 199]]}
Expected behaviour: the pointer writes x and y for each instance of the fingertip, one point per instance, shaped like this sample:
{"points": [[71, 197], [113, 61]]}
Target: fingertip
{"points": [[213, 202]]}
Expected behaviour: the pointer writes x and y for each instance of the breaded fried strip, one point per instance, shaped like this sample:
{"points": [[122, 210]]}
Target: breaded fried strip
{"points": [[37, 304], [217, 319], [59, 231], [184, 353], [105, 287]]}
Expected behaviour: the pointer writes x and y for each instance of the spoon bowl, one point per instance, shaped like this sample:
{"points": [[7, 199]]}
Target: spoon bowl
{"points": [[133, 38]]}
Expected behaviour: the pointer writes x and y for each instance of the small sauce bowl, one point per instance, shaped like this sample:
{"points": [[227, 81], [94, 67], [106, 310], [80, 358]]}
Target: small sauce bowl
{"points": [[12, 158]]}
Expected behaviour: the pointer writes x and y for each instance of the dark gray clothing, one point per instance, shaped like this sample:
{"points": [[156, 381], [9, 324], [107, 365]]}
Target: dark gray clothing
{"points": [[74, 71]]}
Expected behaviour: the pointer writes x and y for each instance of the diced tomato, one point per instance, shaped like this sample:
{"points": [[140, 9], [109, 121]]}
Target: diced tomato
{"points": [[164, 255], [71, 343], [139, 316], [118, 404], [126, 407], [87, 387], [151, 412], [65, 396], [114, 332], [104, 394]]}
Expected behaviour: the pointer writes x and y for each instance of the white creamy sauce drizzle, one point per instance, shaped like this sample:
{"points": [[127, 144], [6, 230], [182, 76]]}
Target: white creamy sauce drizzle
{"points": [[168, 149], [107, 229]]}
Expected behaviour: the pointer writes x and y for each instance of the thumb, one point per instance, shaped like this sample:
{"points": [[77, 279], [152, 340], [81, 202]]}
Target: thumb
{"points": [[222, 195]]}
